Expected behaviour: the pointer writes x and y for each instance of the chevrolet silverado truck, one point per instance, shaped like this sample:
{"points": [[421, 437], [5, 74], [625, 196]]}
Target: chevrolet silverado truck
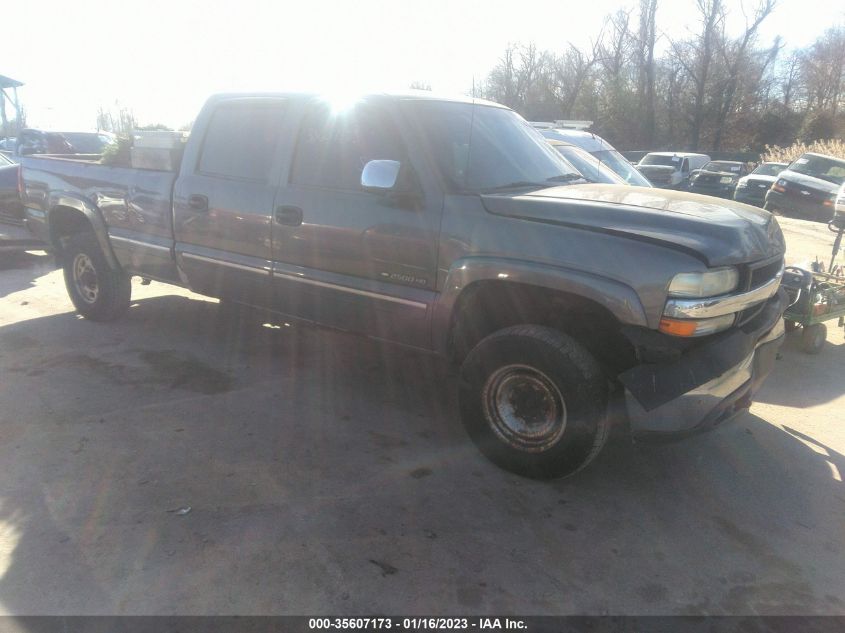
{"points": [[807, 187], [453, 227]]}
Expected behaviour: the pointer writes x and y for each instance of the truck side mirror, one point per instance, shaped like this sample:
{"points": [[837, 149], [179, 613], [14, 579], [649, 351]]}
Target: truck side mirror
{"points": [[380, 175]]}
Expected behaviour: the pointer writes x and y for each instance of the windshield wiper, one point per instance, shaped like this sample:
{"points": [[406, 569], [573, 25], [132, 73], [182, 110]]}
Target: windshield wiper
{"points": [[518, 184], [566, 178]]}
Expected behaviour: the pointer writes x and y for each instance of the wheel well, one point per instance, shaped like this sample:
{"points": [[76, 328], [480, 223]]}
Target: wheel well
{"points": [[487, 306], [64, 222]]}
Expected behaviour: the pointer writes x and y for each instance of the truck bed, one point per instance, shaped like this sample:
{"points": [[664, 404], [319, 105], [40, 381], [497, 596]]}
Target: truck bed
{"points": [[134, 204]]}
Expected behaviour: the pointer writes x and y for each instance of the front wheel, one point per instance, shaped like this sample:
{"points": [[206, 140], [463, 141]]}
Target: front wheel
{"points": [[98, 292], [534, 401]]}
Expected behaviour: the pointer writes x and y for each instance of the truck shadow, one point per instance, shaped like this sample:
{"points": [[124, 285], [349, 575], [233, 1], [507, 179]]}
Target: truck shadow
{"points": [[802, 380], [317, 464], [22, 268]]}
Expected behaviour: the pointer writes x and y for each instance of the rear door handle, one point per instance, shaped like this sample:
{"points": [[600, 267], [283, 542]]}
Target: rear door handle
{"points": [[198, 202], [292, 216]]}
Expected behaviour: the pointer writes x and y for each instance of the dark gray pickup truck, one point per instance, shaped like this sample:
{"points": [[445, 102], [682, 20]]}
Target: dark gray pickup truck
{"points": [[450, 226]]}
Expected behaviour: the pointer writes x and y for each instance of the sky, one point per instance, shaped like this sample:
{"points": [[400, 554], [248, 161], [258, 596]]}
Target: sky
{"points": [[162, 59]]}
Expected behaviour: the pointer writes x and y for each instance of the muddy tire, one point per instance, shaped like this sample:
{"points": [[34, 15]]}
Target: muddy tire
{"points": [[98, 292], [813, 338], [534, 401]]}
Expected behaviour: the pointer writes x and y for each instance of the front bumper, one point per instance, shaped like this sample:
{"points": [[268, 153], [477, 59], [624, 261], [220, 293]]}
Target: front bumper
{"points": [[811, 210], [707, 385], [751, 194]]}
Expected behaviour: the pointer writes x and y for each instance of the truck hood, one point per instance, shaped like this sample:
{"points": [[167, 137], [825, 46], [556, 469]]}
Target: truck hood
{"points": [[718, 232], [758, 178], [819, 184]]}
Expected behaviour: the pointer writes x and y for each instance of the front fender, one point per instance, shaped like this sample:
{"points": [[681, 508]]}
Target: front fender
{"points": [[619, 299], [92, 214]]}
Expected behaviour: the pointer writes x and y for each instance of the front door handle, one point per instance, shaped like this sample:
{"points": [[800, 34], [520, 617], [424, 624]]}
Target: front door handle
{"points": [[198, 202], [291, 216]]}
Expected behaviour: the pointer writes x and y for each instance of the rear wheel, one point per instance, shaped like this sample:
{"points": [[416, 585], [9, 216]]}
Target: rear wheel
{"points": [[534, 401], [813, 338], [98, 292]]}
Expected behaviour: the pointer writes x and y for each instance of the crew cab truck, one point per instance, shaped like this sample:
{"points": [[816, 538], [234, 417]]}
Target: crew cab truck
{"points": [[453, 227]]}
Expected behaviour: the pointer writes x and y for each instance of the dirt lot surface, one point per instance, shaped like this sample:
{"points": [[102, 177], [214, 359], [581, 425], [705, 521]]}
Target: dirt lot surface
{"points": [[327, 474]]}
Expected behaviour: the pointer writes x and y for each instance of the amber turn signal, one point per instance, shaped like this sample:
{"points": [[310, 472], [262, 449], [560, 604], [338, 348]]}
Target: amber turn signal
{"points": [[678, 327]]}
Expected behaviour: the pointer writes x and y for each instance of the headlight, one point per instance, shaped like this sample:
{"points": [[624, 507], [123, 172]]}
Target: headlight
{"points": [[726, 180], [741, 184], [710, 283], [780, 185]]}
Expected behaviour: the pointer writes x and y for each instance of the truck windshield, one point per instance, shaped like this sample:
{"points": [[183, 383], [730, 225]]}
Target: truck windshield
{"points": [[724, 166], [590, 167], [659, 159], [626, 170], [483, 148], [823, 167], [769, 169]]}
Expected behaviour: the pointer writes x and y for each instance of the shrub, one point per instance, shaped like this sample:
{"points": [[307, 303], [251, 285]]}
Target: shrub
{"points": [[831, 147], [118, 154]]}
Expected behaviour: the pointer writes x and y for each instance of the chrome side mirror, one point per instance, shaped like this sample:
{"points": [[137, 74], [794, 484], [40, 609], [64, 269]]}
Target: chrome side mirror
{"points": [[380, 175]]}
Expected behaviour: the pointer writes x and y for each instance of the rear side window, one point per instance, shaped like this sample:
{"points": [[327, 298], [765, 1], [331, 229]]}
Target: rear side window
{"points": [[333, 148], [241, 140]]}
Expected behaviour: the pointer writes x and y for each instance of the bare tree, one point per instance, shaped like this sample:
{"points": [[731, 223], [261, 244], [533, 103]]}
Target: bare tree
{"points": [[735, 56], [646, 37], [697, 57]]}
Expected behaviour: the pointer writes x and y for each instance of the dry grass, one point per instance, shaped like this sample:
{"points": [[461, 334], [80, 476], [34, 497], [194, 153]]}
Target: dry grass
{"points": [[832, 147]]}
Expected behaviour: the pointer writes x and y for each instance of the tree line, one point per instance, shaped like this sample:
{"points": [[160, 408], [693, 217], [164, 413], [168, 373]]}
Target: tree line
{"points": [[706, 90]]}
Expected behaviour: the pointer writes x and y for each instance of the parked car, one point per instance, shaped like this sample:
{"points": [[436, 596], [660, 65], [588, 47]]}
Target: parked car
{"points": [[671, 170], [33, 141], [450, 226], [13, 234], [599, 148], [590, 167], [718, 178], [7, 144], [808, 187], [752, 188], [839, 205]]}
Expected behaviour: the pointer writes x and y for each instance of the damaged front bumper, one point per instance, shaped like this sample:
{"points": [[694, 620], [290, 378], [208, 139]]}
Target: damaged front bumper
{"points": [[708, 384]]}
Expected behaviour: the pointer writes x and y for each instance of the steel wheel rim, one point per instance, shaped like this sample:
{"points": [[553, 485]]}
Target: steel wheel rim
{"points": [[85, 278], [524, 408]]}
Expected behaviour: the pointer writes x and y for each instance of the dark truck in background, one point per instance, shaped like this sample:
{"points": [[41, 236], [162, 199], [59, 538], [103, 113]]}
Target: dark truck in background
{"points": [[807, 188], [453, 227]]}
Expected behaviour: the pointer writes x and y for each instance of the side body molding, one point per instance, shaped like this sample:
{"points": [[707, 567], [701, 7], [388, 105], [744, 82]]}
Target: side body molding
{"points": [[619, 299], [92, 214]]}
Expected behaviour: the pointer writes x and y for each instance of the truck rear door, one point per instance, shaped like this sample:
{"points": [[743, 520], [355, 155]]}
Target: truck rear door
{"points": [[223, 199]]}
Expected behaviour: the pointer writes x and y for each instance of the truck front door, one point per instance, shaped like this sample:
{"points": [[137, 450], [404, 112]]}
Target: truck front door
{"points": [[223, 199], [346, 257]]}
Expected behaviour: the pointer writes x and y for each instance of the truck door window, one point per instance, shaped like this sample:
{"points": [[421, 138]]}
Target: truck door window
{"points": [[241, 140], [333, 147]]}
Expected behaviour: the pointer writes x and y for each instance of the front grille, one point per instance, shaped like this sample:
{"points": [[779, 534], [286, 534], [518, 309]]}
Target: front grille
{"points": [[758, 185], [10, 219], [707, 180], [763, 273], [806, 194]]}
